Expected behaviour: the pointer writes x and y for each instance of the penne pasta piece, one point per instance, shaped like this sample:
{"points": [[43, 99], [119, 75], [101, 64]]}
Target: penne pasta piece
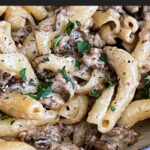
{"points": [[127, 71], [19, 125], [97, 79], [17, 17], [13, 63], [2, 10], [14, 145], [136, 111], [21, 106], [30, 47], [39, 12], [7, 43], [142, 50], [100, 107], [75, 109], [107, 17], [55, 63]]}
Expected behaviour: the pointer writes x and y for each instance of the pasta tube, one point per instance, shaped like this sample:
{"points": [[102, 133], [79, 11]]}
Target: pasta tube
{"points": [[100, 107], [14, 145], [75, 109], [39, 12], [21, 106], [127, 71], [142, 51], [136, 111], [12, 127]]}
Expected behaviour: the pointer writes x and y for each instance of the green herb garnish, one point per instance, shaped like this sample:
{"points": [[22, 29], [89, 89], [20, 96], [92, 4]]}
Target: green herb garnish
{"points": [[109, 83], [113, 108], [94, 93], [77, 64], [70, 27], [83, 46], [42, 91], [78, 23], [103, 57], [4, 116], [12, 122], [56, 40], [66, 76], [6, 97], [23, 74], [146, 90], [1, 90], [45, 59]]}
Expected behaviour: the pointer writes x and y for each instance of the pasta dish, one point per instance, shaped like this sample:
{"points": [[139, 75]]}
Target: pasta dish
{"points": [[74, 77]]}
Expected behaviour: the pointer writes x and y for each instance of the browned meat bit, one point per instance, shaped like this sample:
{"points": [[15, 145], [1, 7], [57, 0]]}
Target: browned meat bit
{"points": [[18, 35], [44, 75], [146, 12], [49, 137], [117, 139], [67, 44], [66, 146], [92, 60], [60, 85], [95, 40], [42, 137], [91, 136], [132, 9]]}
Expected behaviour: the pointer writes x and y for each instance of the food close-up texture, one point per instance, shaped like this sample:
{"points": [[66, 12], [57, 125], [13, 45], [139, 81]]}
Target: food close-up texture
{"points": [[74, 77]]}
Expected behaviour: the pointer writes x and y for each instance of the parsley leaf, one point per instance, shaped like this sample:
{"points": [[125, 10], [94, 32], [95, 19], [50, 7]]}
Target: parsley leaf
{"points": [[94, 93], [103, 57], [146, 90], [66, 76], [56, 40], [109, 83], [42, 91], [70, 27], [23, 74], [83, 46], [1, 90], [12, 122], [78, 23], [45, 59], [113, 108], [77, 64], [4, 116]]}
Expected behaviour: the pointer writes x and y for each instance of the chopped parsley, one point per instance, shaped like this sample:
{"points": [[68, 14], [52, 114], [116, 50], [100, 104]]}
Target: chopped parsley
{"points": [[56, 40], [78, 23], [12, 122], [45, 59], [66, 76], [113, 108], [103, 57], [23, 74], [83, 46], [109, 83], [77, 64], [1, 90], [31, 82], [146, 90], [42, 91], [94, 93], [69, 27], [4, 116]]}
